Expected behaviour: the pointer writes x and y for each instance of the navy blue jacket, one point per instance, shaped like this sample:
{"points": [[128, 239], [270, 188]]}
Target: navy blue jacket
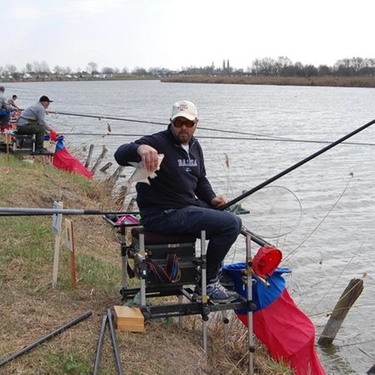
{"points": [[181, 180]]}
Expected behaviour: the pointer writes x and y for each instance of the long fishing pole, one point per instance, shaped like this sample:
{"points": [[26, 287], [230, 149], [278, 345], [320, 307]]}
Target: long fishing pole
{"points": [[253, 136], [107, 118], [148, 122], [265, 139], [46, 337], [294, 166], [15, 211]]}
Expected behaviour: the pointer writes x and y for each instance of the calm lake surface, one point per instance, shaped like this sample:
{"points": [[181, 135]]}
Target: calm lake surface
{"points": [[321, 215]]}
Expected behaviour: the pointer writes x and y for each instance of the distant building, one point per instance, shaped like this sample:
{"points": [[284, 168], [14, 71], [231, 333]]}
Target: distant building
{"points": [[102, 75]]}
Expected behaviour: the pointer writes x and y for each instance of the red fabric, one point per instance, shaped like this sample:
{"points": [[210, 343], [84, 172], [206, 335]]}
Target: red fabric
{"points": [[65, 161], [266, 260], [4, 128], [53, 136], [288, 334]]}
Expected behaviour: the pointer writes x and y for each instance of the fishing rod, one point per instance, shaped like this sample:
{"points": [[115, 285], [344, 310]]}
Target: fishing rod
{"points": [[107, 118], [46, 337], [150, 122], [270, 139], [294, 166], [253, 136], [15, 211]]}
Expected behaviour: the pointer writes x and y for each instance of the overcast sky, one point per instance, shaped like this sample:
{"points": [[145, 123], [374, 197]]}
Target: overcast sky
{"points": [[182, 33]]}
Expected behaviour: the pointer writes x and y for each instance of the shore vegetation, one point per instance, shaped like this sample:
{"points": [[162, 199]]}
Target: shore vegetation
{"points": [[329, 81], [347, 72]]}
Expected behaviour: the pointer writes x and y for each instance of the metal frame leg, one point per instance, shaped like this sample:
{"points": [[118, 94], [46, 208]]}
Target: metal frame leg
{"points": [[225, 318], [144, 271], [180, 301], [204, 289], [33, 143], [124, 257], [249, 302]]}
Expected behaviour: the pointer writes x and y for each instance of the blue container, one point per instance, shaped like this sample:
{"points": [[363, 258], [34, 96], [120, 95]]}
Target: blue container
{"points": [[262, 294]]}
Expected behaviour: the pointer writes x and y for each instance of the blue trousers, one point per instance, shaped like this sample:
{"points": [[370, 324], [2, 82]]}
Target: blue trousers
{"points": [[4, 117], [222, 229]]}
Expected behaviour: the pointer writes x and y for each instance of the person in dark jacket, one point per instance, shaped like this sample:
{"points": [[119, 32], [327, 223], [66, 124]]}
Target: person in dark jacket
{"points": [[180, 199]]}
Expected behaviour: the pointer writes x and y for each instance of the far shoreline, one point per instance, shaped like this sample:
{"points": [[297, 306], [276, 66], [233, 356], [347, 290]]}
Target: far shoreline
{"points": [[328, 81]]}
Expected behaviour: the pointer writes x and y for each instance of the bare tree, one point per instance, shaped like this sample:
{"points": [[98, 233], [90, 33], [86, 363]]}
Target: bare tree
{"points": [[139, 71], [281, 64], [92, 67], [40, 67], [107, 70], [11, 68], [45, 67], [57, 69]]}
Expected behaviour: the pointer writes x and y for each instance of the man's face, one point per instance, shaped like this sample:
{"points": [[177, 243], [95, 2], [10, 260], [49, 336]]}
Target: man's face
{"points": [[183, 129]]}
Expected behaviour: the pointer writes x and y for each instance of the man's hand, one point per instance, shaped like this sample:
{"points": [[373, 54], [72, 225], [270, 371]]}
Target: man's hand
{"points": [[149, 157], [218, 201]]}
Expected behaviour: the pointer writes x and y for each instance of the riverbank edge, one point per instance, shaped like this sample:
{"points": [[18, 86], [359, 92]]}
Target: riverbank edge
{"points": [[330, 81]]}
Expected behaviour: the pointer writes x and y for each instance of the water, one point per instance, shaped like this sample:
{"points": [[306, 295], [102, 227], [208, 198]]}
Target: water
{"points": [[323, 221]]}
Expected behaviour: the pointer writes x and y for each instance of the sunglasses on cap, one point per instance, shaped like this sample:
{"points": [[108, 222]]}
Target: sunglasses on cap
{"points": [[179, 123]]}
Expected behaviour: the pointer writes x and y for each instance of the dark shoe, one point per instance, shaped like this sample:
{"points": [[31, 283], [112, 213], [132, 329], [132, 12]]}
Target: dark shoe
{"points": [[217, 293], [42, 151], [227, 282]]}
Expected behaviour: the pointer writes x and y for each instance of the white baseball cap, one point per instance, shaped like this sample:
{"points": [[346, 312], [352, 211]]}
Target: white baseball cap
{"points": [[186, 109]]}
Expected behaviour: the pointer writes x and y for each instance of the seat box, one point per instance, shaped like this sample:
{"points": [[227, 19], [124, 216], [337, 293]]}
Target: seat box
{"points": [[129, 319]]}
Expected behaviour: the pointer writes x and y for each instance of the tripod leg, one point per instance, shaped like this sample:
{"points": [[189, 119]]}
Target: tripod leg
{"points": [[100, 345], [114, 342]]}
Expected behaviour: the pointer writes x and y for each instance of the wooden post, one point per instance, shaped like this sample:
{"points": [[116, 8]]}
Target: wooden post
{"points": [[101, 156], [8, 141], [103, 169], [56, 226], [91, 149], [69, 242], [346, 301], [117, 173]]}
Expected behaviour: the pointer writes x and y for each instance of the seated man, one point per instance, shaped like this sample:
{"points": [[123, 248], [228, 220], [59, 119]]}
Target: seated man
{"points": [[12, 102], [32, 121], [180, 199], [5, 109]]}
